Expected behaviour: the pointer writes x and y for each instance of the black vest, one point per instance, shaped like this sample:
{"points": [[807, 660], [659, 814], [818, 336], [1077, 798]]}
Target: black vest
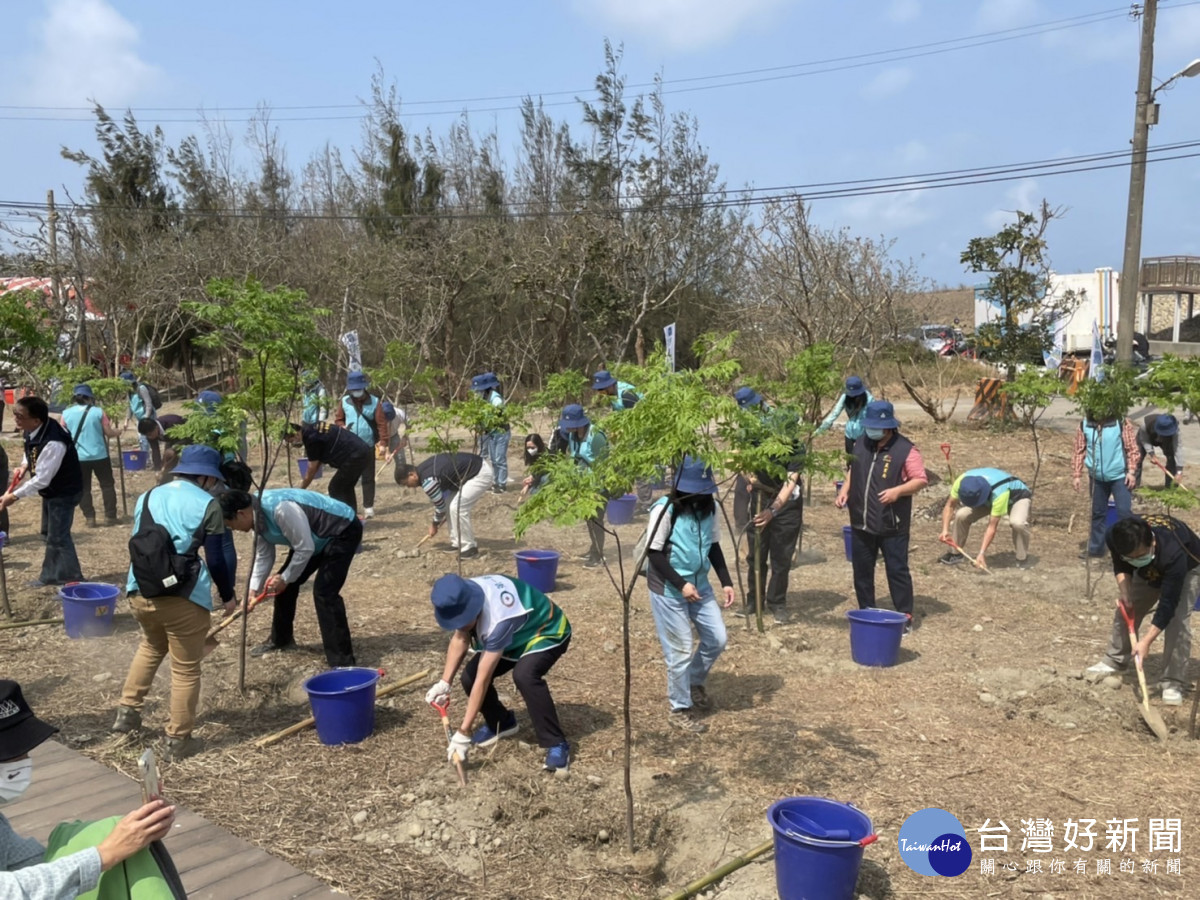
{"points": [[68, 480], [872, 471]]}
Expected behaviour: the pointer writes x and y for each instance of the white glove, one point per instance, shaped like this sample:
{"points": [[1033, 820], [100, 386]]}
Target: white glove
{"points": [[460, 746], [437, 692]]}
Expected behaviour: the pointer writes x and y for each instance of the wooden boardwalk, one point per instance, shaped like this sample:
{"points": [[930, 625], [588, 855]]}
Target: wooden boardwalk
{"points": [[214, 864]]}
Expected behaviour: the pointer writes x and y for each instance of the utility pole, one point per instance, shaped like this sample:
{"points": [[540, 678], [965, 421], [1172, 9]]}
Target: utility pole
{"points": [[1131, 267], [55, 278]]}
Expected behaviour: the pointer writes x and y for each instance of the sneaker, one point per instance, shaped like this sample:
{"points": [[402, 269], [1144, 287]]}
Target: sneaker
{"points": [[272, 647], [128, 719], [1024, 563], [181, 748], [1102, 668], [36, 584], [558, 757], [469, 553], [500, 489], [90, 520], [368, 512], [485, 737], [685, 721], [700, 697], [908, 626], [781, 616], [593, 562], [950, 558], [1172, 696]]}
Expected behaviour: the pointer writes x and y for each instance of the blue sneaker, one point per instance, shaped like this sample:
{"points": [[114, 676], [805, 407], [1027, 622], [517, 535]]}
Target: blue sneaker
{"points": [[485, 737], [558, 757]]}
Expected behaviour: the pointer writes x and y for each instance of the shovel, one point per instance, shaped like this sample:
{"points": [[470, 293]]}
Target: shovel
{"points": [[211, 643], [1150, 715], [946, 453], [967, 555], [1169, 474], [442, 709]]}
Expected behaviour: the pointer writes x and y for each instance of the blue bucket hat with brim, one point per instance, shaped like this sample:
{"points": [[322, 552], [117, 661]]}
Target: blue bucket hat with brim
{"points": [[389, 411], [485, 382], [82, 390], [747, 397], [973, 490], [855, 386], [880, 414], [603, 380], [573, 416], [1166, 426], [129, 376], [199, 460], [356, 381], [457, 602], [695, 478]]}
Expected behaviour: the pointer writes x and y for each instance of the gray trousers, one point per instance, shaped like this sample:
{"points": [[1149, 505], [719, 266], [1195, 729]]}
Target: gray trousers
{"points": [[1177, 639], [1018, 518]]}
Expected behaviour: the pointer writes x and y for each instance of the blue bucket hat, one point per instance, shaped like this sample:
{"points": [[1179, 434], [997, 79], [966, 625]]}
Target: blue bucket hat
{"points": [[209, 399], [1166, 426], [485, 382], [82, 390], [747, 397], [603, 380], [199, 460], [389, 411], [457, 602], [129, 376], [879, 414], [356, 381], [695, 478], [973, 490], [855, 386], [573, 416]]}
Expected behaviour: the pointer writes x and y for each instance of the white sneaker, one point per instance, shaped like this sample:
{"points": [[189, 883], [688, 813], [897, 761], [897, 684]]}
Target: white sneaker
{"points": [[369, 512], [1172, 696], [1101, 668]]}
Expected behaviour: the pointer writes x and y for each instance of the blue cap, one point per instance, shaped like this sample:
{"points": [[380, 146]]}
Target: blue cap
{"points": [[695, 478], [855, 386], [209, 398], [485, 382], [128, 376], [1166, 425], [457, 602], [879, 414], [573, 416], [198, 459], [603, 380], [389, 411], [82, 390], [747, 397], [973, 490], [356, 381]]}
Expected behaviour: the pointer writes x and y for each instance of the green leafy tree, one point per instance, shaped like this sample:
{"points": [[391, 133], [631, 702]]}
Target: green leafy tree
{"points": [[27, 336], [1030, 395], [404, 371], [1173, 382], [1108, 397]]}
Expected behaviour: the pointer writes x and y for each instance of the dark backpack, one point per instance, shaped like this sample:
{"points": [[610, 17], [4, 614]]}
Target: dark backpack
{"points": [[159, 569], [155, 397]]}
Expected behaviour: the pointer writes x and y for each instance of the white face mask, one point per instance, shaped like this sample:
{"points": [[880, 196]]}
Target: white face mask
{"points": [[357, 394], [14, 779], [532, 451]]}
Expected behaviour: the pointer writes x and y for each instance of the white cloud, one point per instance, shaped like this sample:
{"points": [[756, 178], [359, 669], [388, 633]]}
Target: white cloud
{"points": [[911, 152], [682, 24], [888, 83], [887, 213], [995, 14], [1025, 195], [86, 49], [904, 10]]}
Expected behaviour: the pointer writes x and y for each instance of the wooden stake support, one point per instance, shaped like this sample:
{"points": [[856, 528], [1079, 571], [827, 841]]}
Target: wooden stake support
{"points": [[717, 874]]}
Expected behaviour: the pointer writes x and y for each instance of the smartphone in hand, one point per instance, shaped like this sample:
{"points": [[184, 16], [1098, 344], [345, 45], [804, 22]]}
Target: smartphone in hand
{"points": [[151, 784]]}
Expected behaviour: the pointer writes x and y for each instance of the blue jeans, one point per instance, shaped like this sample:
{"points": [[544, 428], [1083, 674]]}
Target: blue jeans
{"points": [[494, 447], [60, 564], [673, 619], [1101, 491]]}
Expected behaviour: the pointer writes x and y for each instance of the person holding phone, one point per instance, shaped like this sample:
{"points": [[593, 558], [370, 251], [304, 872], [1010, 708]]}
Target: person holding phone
{"points": [[22, 870]]}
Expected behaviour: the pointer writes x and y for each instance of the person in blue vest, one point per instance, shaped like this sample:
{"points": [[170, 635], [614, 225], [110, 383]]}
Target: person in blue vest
{"points": [[315, 400], [53, 465], [362, 413], [494, 444], [586, 445], [512, 627], [141, 407], [885, 472], [177, 625], [683, 544], [991, 494], [623, 395], [1107, 447], [322, 535], [853, 402], [1160, 431], [90, 429]]}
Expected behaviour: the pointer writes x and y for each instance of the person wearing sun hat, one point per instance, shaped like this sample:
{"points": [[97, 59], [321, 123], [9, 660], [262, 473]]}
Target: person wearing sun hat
{"points": [[623, 395], [510, 626], [991, 494], [683, 543], [362, 413], [854, 401], [494, 444], [175, 618], [90, 429], [23, 874], [1160, 431], [586, 445]]}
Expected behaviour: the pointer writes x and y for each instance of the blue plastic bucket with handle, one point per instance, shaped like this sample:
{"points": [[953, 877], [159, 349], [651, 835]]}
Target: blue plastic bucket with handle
{"points": [[343, 703], [818, 847], [875, 636], [620, 509], [88, 608], [134, 460], [848, 541], [538, 568], [302, 465]]}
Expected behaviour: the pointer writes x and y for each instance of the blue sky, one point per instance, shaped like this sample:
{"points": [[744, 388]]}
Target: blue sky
{"points": [[1064, 92]]}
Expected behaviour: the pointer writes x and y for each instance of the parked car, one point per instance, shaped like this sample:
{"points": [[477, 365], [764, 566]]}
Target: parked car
{"points": [[944, 340]]}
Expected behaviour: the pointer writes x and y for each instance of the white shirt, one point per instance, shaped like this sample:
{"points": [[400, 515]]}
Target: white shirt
{"points": [[294, 524], [49, 460]]}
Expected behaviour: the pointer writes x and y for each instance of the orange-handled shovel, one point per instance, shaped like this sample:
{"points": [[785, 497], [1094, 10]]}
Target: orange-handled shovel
{"points": [[211, 643], [1150, 715], [442, 709], [969, 557]]}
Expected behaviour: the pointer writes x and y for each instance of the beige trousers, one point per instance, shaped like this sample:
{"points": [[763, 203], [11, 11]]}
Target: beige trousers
{"points": [[1018, 518]]}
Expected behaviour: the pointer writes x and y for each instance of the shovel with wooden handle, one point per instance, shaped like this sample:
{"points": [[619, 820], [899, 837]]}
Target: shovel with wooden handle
{"points": [[946, 453], [210, 642], [1170, 474], [442, 709], [966, 555], [1150, 716]]}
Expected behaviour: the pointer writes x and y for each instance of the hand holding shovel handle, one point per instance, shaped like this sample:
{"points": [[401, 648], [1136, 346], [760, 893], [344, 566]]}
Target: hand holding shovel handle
{"points": [[969, 557], [1150, 715], [442, 709], [1169, 474], [211, 643], [387, 459]]}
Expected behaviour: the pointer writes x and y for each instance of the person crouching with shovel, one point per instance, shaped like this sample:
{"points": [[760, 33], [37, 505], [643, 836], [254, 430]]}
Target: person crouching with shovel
{"points": [[511, 626], [1156, 560]]}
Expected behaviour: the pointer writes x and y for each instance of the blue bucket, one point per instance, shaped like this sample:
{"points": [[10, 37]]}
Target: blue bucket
{"points": [[1110, 518], [818, 847], [538, 568], [302, 465], [620, 509], [848, 540], [134, 460], [875, 636], [343, 703], [88, 608]]}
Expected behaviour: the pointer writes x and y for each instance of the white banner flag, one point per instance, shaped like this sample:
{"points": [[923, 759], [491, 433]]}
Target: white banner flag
{"points": [[1095, 369], [669, 334], [350, 342]]}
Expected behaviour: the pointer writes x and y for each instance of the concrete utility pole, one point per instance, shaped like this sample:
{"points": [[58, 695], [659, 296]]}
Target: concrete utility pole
{"points": [[1131, 267]]}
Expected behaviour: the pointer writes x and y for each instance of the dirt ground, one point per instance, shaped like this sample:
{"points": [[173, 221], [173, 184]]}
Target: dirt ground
{"points": [[987, 715]]}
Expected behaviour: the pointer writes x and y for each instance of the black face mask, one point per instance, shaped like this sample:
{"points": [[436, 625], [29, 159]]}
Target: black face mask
{"points": [[698, 505]]}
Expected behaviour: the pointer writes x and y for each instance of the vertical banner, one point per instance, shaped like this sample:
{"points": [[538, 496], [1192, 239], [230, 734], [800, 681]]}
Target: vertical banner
{"points": [[350, 342], [1094, 369], [669, 334]]}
